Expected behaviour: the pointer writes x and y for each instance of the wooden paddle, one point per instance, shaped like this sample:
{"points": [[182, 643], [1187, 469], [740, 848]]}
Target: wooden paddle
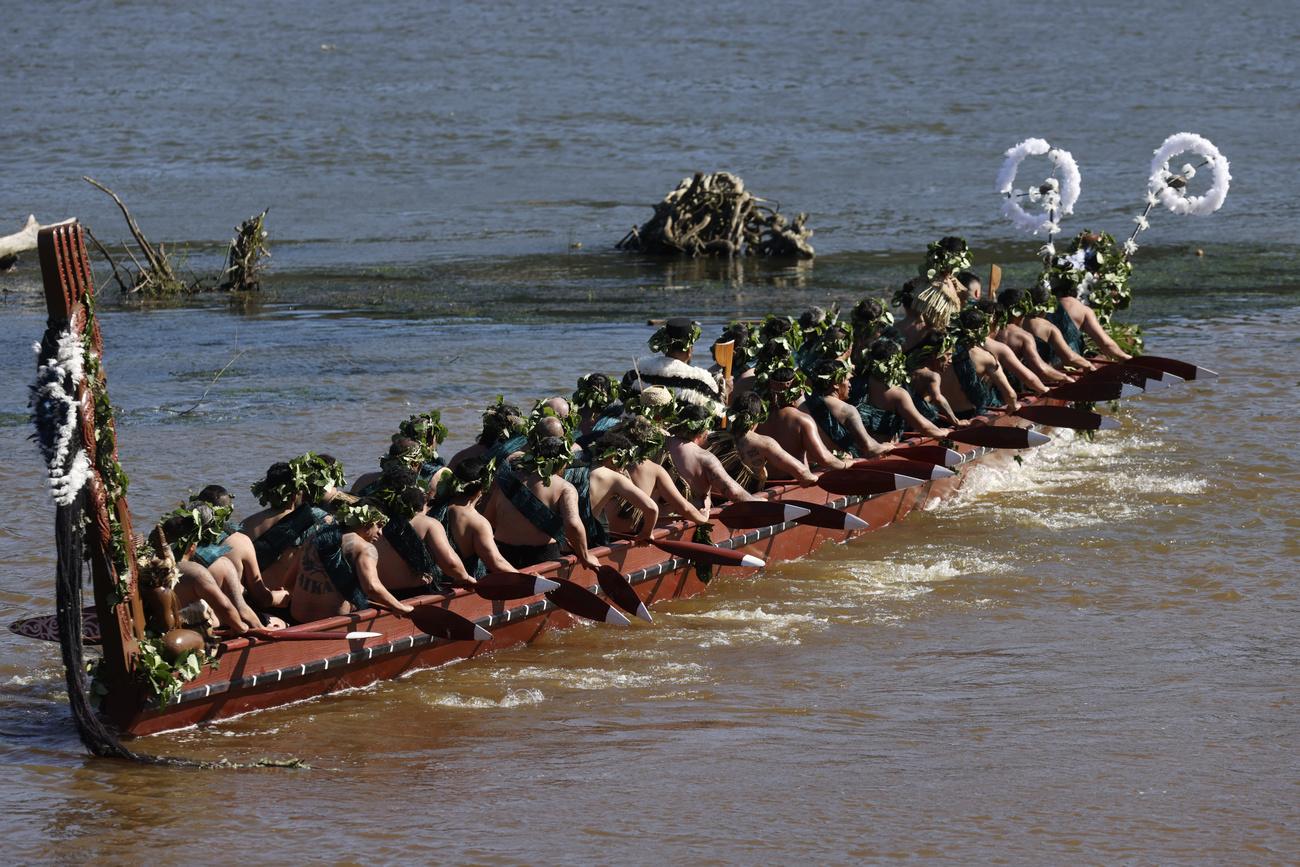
{"points": [[998, 437], [307, 635], [908, 467], [760, 513], [995, 280], [820, 515], [708, 554], [579, 601], [1093, 391], [441, 622], [864, 482], [1067, 416], [621, 591], [929, 454], [1178, 368], [500, 586], [724, 354], [1145, 378]]}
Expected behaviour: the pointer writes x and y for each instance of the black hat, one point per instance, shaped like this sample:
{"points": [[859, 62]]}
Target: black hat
{"points": [[680, 328]]}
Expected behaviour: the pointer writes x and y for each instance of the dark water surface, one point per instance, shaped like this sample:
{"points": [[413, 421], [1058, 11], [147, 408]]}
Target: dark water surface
{"points": [[1088, 658]]}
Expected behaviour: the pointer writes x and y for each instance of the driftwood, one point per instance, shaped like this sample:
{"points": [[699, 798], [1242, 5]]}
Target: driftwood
{"points": [[713, 215], [244, 262], [19, 242], [155, 275]]}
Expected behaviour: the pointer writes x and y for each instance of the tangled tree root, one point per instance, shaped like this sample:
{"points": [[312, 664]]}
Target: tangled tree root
{"points": [[244, 262], [713, 215]]}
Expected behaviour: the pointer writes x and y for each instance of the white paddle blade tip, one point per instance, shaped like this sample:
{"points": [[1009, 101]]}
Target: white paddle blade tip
{"points": [[644, 613], [1205, 373], [481, 634], [1108, 423], [901, 481], [752, 562], [614, 617], [941, 473], [1034, 438], [1171, 378], [1127, 389], [359, 636], [793, 512], [951, 457], [853, 522], [544, 585]]}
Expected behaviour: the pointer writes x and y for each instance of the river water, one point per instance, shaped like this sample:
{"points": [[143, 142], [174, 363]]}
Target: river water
{"points": [[1090, 657]]}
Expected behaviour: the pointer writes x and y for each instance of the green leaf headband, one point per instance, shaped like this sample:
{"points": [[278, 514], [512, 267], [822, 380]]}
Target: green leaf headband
{"points": [[411, 457], [205, 525], [545, 458], [946, 256], [621, 457], [891, 370], [830, 373], [662, 341], [425, 428], [595, 392], [935, 345], [352, 515], [747, 419]]}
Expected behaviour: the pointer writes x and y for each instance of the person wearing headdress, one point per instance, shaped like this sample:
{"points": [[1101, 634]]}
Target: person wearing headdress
{"points": [[698, 467], [760, 455], [1018, 374], [887, 408], [1052, 345], [1076, 319], [340, 566], [456, 507], [403, 453], [1010, 311], [926, 362], [742, 361], [187, 529], [598, 405], [650, 476], [975, 382], [604, 479], [838, 421], [504, 427], [231, 555], [415, 555], [792, 428], [941, 296], [298, 494], [674, 343], [869, 318], [533, 510]]}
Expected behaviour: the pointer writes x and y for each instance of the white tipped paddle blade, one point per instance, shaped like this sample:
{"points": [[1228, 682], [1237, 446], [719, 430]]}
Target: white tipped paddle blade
{"points": [[1128, 390], [951, 457], [644, 613], [1108, 423], [901, 481], [752, 562], [615, 617], [1034, 438], [853, 522], [793, 512], [1203, 373], [356, 636], [1172, 378], [941, 473], [544, 585], [481, 634]]}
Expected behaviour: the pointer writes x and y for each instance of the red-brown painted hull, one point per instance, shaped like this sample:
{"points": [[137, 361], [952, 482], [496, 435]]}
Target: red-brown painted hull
{"points": [[260, 675]]}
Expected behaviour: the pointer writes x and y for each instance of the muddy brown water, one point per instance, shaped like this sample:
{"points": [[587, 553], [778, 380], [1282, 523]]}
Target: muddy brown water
{"points": [[1090, 656]]}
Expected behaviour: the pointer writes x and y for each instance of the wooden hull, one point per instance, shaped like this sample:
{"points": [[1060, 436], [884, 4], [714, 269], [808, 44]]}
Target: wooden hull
{"points": [[256, 675]]}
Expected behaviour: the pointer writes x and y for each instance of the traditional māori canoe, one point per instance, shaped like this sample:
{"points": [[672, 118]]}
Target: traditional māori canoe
{"points": [[265, 671]]}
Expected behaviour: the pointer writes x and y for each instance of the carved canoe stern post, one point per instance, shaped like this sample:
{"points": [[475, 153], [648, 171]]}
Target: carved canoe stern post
{"points": [[69, 299]]}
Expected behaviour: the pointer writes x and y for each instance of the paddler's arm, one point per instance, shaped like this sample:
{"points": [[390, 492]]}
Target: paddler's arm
{"points": [[1007, 358], [1057, 341], [665, 490], [987, 365], [898, 400], [365, 560], [1093, 329], [574, 532], [847, 414], [720, 481], [784, 463], [932, 388], [815, 450]]}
